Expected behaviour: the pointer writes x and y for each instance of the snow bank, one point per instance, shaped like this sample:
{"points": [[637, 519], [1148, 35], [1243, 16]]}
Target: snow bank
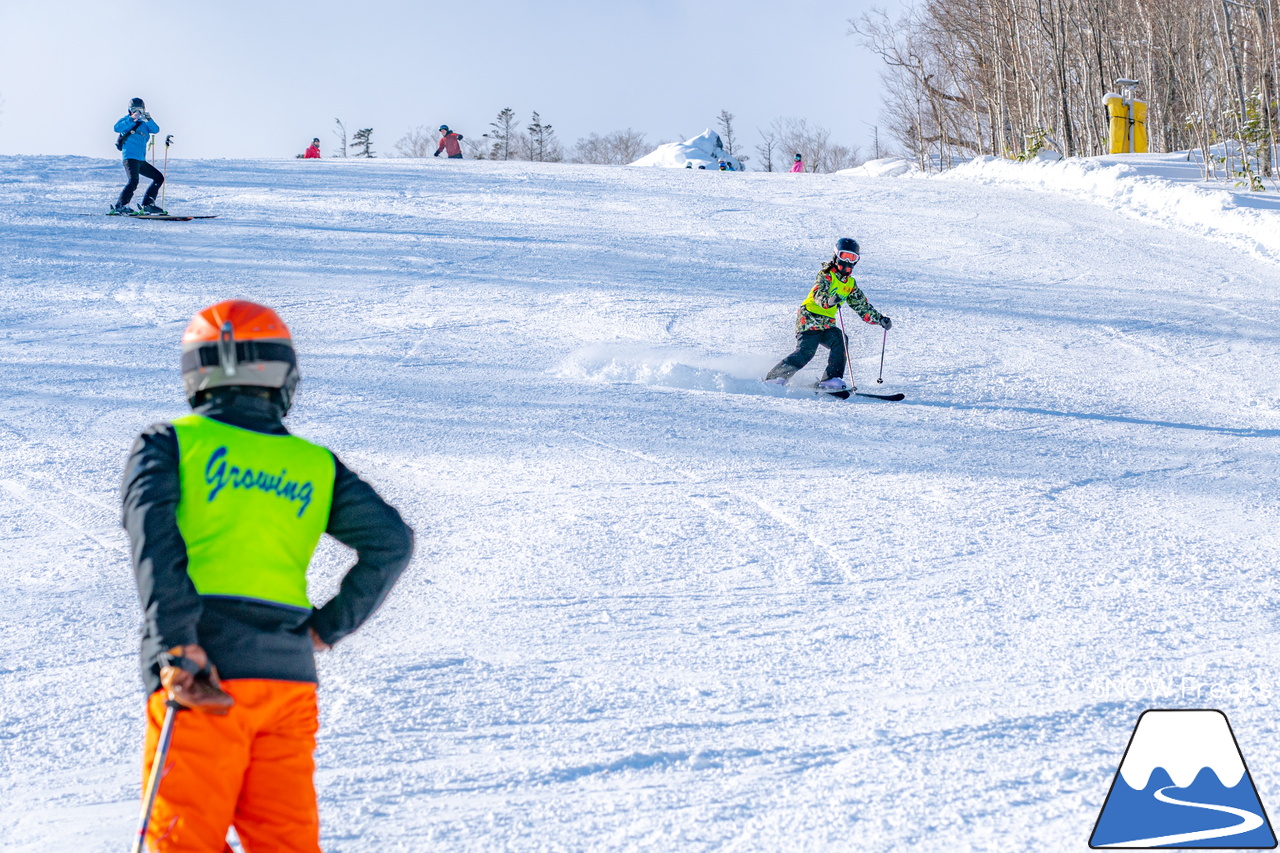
{"points": [[885, 167], [704, 151], [1164, 187]]}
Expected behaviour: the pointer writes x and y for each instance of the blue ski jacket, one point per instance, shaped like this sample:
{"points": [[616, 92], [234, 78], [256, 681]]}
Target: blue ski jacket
{"points": [[135, 147]]}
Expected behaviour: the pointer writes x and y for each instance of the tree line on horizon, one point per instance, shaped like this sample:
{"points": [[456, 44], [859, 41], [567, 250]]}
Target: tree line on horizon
{"points": [[1000, 77], [537, 142]]}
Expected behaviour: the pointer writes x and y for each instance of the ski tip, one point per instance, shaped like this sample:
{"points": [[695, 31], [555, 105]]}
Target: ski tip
{"points": [[893, 398]]}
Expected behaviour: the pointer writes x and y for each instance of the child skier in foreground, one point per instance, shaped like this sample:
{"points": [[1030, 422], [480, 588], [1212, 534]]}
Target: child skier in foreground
{"points": [[816, 320]]}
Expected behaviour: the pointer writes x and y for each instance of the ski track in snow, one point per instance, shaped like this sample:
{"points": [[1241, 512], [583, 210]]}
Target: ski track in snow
{"points": [[656, 606]]}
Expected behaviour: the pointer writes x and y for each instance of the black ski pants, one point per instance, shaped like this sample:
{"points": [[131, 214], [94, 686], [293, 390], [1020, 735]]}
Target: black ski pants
{"points": [[134, 168], [807, 344]]}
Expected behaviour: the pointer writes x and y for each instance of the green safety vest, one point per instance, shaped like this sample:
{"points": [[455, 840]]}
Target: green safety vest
{"points": [[252, 508], [842, 288]]}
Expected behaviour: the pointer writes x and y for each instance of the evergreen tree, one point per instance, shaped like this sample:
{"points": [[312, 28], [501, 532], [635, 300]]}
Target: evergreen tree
{"points": [[503, 135], [362, 141], [543, 145]]}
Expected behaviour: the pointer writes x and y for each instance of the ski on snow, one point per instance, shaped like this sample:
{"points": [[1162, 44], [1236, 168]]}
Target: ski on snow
{"points": [[849, 392], [845, 395], [168, 217], [163, 217]]}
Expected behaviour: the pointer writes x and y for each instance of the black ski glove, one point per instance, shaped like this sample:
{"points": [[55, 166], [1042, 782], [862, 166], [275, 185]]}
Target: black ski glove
{"points": [[886, 322], [437, 154]]}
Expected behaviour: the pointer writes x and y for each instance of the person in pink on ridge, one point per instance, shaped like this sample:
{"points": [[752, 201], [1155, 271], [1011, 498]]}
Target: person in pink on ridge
{"points": [[798, 165], [313, 152]]}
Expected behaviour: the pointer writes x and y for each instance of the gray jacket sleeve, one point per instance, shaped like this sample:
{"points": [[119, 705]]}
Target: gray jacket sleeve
{"points": [[170, 604], [360, 519]]}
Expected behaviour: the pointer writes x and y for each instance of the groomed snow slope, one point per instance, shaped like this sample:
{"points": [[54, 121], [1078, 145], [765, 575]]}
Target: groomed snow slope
{"points": [[654, 607]]}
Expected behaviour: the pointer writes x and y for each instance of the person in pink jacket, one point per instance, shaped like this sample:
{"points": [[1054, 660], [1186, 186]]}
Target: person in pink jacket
{"points": [[798, 165], [313, 153]]}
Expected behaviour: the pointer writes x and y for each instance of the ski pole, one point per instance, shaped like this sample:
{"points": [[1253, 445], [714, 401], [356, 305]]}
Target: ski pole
{"points": [[848, 357], [168, 140], [883, 341], [157, 771]]}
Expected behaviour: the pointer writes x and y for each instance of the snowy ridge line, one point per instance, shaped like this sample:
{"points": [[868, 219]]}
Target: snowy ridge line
{"points": [[1165, 187]]}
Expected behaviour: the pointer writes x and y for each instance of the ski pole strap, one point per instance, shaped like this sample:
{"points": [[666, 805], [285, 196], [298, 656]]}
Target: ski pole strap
{"points": [[183, 662]]}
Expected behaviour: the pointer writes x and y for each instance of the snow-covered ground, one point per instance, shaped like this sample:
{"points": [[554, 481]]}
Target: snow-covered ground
{"points": [[654, 606]]}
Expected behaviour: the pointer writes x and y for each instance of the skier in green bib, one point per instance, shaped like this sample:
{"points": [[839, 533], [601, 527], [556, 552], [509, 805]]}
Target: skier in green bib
{"points": [[816, 320], [224, 508]]}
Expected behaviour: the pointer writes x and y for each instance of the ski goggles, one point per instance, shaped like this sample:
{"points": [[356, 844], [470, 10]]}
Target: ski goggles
{"points": [[847, 258]]}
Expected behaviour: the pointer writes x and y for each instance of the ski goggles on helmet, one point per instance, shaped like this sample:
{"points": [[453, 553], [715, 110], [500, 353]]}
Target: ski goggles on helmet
{"points": [[847, 258]]}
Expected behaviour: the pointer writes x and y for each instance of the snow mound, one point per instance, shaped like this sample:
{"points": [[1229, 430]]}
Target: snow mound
{"points": [[664, 367], [1167, 188], [885, 167], [704, 151]]}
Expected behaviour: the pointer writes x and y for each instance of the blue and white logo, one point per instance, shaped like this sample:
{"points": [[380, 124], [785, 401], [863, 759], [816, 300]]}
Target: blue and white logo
{"points": [[1183, 783]]}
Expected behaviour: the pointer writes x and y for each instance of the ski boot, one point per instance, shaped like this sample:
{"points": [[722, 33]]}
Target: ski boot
{"points": [[152, 209], [121, 210], [835, 383]]}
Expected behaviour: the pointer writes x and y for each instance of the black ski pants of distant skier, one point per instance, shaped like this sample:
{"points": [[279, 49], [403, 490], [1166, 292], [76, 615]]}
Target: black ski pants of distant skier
{"points": [[807, 344], [134, 168]]}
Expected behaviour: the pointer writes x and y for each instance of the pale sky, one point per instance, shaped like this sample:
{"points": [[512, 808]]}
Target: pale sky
{"points": [[231, 78]]}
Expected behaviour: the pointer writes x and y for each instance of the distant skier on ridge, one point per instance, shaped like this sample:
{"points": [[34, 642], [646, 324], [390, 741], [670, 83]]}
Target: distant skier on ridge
{"points": [[449, 143], [135, 131], [816, 319]]}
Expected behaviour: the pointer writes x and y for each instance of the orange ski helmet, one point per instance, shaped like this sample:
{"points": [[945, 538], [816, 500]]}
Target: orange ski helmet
{"points": [[238, 343]]}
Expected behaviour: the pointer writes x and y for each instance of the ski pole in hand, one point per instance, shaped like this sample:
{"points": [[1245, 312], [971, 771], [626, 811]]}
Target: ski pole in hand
{"points": [[168, 140], [848, 357], [885, 340], [157, 771]]}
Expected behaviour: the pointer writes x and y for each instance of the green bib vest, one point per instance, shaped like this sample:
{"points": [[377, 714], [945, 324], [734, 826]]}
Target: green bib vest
{"points": [[252, 508], [842, 288]]}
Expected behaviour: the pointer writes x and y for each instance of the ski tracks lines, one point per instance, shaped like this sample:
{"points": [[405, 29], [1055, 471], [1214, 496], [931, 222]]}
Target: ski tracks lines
{"points": [[755, 517], [20, 492]]}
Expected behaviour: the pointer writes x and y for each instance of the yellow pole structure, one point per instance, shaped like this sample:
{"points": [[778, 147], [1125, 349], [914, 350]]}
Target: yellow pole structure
{"points": [[1127, 133], [1140, 127], [1118, 136]]}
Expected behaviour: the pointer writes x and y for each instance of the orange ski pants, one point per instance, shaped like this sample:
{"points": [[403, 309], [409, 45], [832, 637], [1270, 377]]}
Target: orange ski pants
{"points": [[251, 769]]}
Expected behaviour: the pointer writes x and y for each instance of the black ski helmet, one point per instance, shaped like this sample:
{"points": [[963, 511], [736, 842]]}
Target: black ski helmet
{"points": [[444, 127], [137, 104], [845, 247]]}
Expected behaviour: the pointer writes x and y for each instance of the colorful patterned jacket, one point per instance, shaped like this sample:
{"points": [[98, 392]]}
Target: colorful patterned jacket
{"points": [[818, 313]]}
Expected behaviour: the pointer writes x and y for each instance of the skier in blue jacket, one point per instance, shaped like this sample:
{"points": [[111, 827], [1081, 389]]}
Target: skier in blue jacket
{"points": [[135, 131]]}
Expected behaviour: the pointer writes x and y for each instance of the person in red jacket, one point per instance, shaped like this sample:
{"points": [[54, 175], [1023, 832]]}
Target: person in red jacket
{"points": [[449, 142], [313, 153]]}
